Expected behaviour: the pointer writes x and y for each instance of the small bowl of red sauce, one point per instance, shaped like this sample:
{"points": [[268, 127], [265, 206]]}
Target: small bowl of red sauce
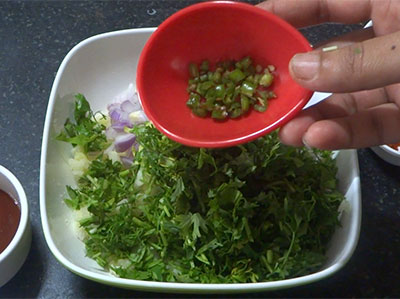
{"points": [[15, 229], [389, 152]]}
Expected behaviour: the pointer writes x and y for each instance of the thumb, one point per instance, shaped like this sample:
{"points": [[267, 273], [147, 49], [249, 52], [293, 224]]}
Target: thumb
{"points": [[359, 66]]}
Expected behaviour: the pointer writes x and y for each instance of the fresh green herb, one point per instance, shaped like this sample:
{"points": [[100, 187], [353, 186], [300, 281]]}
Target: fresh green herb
{"points": [[260, 211], [231, 90], [84, 131]]}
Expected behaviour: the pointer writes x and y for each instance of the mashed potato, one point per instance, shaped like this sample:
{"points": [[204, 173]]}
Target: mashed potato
{"points": [[79, 163]]}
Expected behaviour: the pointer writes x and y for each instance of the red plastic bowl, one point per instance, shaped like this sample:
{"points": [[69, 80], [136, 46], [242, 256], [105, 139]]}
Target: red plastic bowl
{"points": [[217, 31]]}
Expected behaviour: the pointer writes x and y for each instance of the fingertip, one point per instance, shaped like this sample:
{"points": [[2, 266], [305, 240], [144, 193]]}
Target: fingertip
{"points": [[326, 135], [267, 5], [292, 133], [304, 67], [318, 136], [289, 136]]}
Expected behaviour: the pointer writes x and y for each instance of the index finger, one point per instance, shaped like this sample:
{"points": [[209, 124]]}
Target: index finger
{"points": [[312, 12]]}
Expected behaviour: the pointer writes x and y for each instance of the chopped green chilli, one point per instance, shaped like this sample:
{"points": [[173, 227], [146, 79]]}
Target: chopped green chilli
{"points": [[231, 90], [260, 211]]}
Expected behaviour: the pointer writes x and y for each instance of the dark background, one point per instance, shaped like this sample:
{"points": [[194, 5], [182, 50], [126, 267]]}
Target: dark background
{"points": [[34, 38]]}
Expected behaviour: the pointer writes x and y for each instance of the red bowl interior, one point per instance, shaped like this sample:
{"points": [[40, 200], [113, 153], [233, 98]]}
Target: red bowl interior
{"points": [[217, 31]]}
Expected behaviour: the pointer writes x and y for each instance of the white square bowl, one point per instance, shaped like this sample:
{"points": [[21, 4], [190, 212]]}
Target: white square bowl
{"points": [[101, 67]]}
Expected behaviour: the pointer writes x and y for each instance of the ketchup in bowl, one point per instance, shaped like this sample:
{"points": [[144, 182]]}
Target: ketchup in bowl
{"points": [[10, 215]]}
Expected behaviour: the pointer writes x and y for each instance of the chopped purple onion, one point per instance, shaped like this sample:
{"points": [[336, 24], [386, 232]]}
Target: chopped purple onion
{"points": [[113, 106], [120, 126], [119, 111], [140, 118], [117, 115], [126, 161], [123, 142], [111, 133], [136, 145], [128, 106]]}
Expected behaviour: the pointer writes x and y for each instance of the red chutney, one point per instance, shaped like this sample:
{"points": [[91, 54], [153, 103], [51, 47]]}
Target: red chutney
{"points": [[395, 146], [10, 215]]}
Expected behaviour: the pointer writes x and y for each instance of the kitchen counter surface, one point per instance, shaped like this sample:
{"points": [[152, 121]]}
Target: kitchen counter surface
{"points": [[34, 38]]}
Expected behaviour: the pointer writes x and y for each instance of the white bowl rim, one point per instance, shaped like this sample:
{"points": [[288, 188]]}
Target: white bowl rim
{"points": [[154, 286], [23, 204], [390, 150]]}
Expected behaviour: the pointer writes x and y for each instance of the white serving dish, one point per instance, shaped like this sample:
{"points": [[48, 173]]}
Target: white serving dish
{"points": [[388, 154], [14, 256], [101, 67]]}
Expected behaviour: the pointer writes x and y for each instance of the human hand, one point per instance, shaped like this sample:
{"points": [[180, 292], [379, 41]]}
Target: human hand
{"points": [[363, 73]]}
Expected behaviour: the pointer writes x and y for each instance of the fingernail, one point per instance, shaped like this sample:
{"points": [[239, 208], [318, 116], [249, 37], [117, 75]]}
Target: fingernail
{"points": [[305, 66], [305, 142]]}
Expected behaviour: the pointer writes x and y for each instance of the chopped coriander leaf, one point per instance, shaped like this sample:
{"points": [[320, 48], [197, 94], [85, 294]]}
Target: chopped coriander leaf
{"points": [[84, 130], [260, 211]]}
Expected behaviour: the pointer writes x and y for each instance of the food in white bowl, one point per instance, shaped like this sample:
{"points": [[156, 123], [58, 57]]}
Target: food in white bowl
{"points": [[157, 210], [15, 229], [108, 78], [388, 152]]}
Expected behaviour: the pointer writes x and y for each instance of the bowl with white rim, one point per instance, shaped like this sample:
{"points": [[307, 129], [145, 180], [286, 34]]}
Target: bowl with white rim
{"points": [[388, 153], [14, 255], [100, 68]]}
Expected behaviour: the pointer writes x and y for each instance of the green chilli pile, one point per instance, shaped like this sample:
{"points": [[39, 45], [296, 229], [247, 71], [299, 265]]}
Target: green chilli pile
{"points": [[231, 90]]}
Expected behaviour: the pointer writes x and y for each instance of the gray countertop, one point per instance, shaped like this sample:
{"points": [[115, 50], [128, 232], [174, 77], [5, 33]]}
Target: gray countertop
{"points": [[34, 38]]}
